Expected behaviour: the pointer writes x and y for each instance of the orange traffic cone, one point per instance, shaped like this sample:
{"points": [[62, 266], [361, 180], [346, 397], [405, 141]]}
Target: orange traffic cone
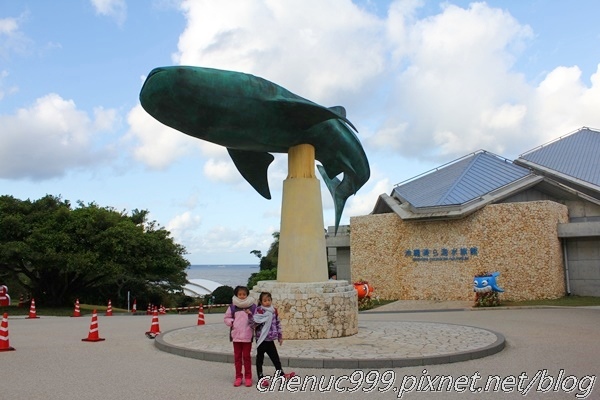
{"points": [[201, 315], [154, 328], [149, 310], [109, 309], [32, 312], [93, 334], [4, 343], [134, 308], [77, 311]]}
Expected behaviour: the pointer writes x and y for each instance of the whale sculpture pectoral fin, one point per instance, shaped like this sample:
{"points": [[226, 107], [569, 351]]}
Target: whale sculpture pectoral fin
{"points": [[253, 167], [338, 201], [305, 114]]}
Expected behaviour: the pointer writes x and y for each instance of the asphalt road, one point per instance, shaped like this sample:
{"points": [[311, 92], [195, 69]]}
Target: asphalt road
{"points": [[51, 361]]}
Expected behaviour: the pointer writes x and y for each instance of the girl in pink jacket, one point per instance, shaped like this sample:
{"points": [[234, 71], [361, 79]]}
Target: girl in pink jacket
{"points": [[241, 333]]}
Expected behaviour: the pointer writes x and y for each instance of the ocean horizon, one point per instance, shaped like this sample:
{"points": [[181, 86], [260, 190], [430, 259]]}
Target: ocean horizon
{"points": [[225, 274]]}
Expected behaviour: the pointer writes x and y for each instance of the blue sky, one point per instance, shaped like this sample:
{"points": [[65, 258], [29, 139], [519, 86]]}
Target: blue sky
{"points": [[425, 82]]}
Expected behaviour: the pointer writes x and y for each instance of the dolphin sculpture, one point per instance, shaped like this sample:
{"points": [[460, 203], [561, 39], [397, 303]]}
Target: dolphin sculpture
{"points": [[487, 283], [253, 117]]}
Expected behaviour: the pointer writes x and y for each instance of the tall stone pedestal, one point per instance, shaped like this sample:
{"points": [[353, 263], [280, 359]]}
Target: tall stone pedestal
{"points": [[315, 310], [302, 251]]}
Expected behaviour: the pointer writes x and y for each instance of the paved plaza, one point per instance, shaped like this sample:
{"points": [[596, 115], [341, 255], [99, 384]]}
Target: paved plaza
{"points": [[51, 361]]}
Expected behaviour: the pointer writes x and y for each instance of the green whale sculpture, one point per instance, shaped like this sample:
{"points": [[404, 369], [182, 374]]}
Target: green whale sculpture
{"points": [[253, 117]]}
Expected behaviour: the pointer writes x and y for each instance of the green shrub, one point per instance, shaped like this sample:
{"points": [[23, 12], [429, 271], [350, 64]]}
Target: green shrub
{"points": [[264, 275], [223, 294]]}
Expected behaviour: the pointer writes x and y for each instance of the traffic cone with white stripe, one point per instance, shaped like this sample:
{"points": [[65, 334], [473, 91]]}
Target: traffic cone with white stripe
{"points": [[32, 312], [134, 308], [77, 311], [93, 335], [109, 309], [154, 328], [4, 342], [201, 315]]}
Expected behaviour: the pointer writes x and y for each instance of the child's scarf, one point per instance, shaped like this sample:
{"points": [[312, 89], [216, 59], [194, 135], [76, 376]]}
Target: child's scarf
{"points": [[267, 319], [246, 303]]}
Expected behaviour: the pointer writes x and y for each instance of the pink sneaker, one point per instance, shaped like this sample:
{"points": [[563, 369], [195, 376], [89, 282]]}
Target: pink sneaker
{"points": [[288, 376], [248, 382], [238, 382], [265, 383]]}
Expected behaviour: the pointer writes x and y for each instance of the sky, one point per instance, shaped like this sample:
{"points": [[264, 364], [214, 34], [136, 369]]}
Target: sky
{"points": [[425, 82]]}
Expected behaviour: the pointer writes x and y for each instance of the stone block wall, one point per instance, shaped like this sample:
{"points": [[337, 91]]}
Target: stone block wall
{"points": [[519, 240], [315, 310]]}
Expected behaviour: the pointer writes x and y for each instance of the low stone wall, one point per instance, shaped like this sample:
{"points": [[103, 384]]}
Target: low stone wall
{"points": [[437, 260], [316, 310]]}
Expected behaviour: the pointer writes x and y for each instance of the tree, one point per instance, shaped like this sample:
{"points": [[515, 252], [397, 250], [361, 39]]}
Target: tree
{"points": [[223, 294], [264, 275], [270, 260], [58, 253], [268, 263]]}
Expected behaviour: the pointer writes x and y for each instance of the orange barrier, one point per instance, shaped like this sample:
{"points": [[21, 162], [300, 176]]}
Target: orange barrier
{"points": [[32, 311], [4, 342], [77, 311], [154, 328], [201, 315], [93, 335]]}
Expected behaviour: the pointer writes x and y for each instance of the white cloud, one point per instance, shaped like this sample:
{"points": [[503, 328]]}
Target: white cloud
{"points": [[221, 170], [12, 39], [456, 90], [182, 223], [362, 203], [428, 89], [8, 26], [6, 90], [458, 93], [116, 9], [104, 120], [48, 138], [155, 144], [222, 241], [563, 103], [316, 49]]}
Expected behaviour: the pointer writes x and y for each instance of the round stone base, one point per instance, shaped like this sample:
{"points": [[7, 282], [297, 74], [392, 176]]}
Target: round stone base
{"points": [[315, 310]]}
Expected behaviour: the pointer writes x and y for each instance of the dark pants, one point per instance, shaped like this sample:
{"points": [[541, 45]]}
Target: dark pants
{"points": [[269, 348]]}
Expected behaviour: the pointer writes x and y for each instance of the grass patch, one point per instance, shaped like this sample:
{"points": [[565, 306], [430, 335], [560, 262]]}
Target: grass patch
{"points": [[566, 301]]}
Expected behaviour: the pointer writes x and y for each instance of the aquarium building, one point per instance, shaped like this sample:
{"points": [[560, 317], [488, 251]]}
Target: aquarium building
{"points": [[536, 220]]}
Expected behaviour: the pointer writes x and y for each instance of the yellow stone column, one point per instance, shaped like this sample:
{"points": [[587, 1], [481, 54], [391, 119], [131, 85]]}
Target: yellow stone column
{"points": [[302, 253]]}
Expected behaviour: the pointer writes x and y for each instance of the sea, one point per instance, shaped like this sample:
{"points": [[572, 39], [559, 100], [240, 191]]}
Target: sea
{"points": [[229, 274]]}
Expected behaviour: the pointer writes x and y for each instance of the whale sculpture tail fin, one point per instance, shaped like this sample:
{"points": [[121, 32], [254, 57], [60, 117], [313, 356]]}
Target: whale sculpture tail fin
{"points": [[339, 201]]}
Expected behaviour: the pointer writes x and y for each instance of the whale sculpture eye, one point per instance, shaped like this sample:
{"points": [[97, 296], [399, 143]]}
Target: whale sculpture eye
{"points": [[475, 283], [484, 282]]}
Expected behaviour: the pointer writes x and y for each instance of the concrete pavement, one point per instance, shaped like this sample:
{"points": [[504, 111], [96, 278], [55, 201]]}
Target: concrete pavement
{"points": [[51, 361]]}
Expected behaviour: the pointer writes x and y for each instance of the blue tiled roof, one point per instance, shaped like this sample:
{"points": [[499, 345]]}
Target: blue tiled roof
{"points": [[576, 155], [461, 181]]}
